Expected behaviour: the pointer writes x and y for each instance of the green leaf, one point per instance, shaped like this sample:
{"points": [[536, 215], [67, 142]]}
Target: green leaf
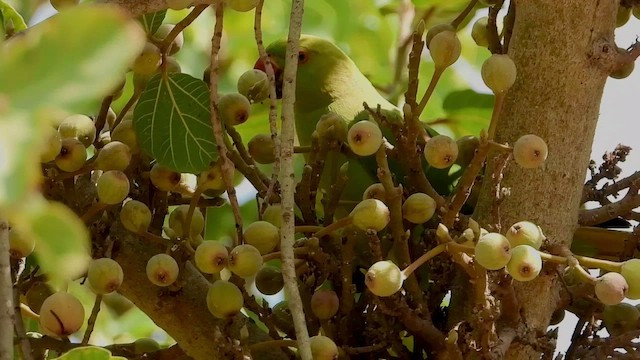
{"points": [[151, 22], [467, 111], [9, 14], [62, 239], [19, 163], [172, 121], [87, 353], [68, 59]]}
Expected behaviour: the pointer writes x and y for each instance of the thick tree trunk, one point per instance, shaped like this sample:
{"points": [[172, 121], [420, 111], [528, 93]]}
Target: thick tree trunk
{"points": [[562, 49]]}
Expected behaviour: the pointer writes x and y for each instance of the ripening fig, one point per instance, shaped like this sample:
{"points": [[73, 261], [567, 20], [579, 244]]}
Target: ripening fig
{"points": [[211, 179], [620, 318], [211, 256], [72, 155], [125, 134], [244, 260], [165, 29], [263, 235], [145, 345], [234, 109], [20, 245], [113, 156], [103, 139], [437, 29], [52, 146], [140, 81], [623, 70], [418, 208], [611, 288], [493, 251], [37, 294], [623, 16], [467, 146], [557, 317], [441, 151], [370, 214], [445, 49], [525, 233], [499, 73], [62, 4], [261, 148], [242, 5], [273, 214], [224, 299], [147, 61], [324, 304], [61, 314], [269, 280], [254, 85], [162, 270], [375, 191], [525, 263], [480, 33], [164, 178], [636, 11], [332, 126], [384, 278], [104, 275], [135, 216], [530, 151], [323, 348], [364, 138], [112, 187], [631, 271], [80, 127], [178, 218]]}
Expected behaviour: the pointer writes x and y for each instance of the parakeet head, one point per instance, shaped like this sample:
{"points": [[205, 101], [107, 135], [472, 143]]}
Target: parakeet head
{"points": [[319, 63]]}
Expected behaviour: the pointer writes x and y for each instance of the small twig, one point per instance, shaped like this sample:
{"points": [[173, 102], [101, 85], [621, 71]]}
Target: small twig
{"points": [[218, 132], [92, 320], [180, 26], [334, 196], [18, 323], [286, 177], [6, 294], [610, 211], [273, 101], [125, 109], [509, 21], [101, 119], [494, 38]]}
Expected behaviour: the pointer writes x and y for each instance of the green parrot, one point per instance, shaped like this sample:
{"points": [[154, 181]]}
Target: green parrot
{"points": [[329, 81]]}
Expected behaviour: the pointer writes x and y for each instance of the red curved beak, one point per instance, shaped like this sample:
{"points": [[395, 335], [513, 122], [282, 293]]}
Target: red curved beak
{"points": [[260, 65]]}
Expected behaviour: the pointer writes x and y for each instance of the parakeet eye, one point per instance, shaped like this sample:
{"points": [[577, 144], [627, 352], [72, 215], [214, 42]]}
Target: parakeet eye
{"points": [[303, 57]]}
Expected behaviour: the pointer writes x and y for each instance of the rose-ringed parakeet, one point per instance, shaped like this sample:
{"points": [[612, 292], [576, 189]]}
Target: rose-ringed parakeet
{"points": [[329, 81]]}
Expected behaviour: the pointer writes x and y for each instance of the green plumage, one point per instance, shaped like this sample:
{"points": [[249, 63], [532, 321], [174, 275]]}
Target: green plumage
{"points": [[329, 81]]}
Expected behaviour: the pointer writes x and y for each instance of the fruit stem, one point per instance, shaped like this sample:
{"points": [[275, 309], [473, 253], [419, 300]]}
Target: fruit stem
{"points": [[497, 107], [179, 27], [266, 345], [346, 221], [94, 210], [583, 260], [278, 254], [432, 86], [186, 226], [458, 20], [423, 259]]}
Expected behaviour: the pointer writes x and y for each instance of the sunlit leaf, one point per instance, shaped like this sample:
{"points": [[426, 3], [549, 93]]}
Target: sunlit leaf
{"points": [[62, 239], [19, 164], [67, 60], [172, 121], [151, 22], [9, 14]]}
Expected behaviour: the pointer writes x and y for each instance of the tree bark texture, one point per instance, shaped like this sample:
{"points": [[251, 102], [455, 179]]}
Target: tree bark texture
{"points": [[562, 50]]}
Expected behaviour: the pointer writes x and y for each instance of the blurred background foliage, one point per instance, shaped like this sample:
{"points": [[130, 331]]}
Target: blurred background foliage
{"points": [[369, 31]]}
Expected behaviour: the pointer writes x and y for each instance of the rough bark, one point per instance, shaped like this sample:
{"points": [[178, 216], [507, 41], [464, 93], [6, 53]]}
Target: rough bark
{"points": [[562, 50], [6, 294]]}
